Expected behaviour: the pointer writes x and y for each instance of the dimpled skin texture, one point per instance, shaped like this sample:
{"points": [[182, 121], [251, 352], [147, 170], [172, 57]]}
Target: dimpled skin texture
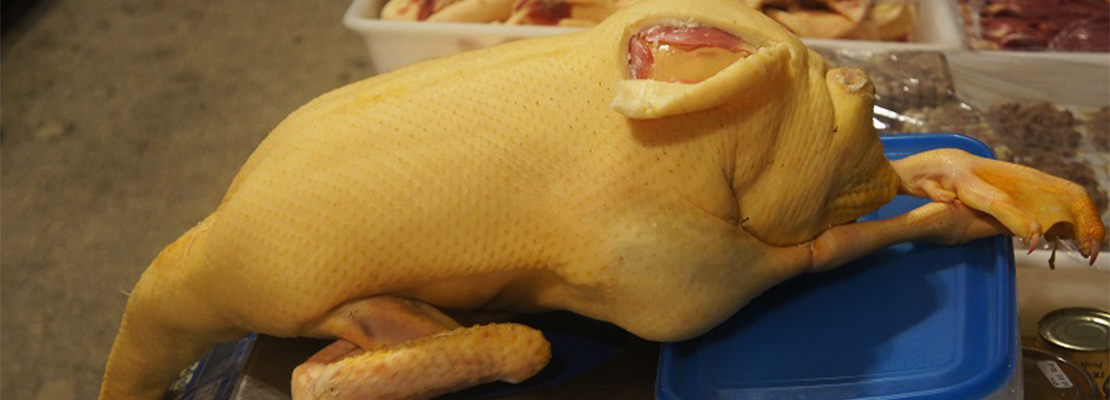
{"points": [[432, 363], [528, 176]]}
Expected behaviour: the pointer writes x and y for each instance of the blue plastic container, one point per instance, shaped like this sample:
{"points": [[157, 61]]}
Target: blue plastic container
{"points": [[914, 321]]}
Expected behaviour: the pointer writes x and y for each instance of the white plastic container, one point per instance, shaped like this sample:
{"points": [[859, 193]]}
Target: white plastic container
{"points": [[394, 44], [938, 29]]}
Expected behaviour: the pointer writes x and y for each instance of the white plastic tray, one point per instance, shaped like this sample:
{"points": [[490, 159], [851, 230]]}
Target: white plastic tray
{"points": [[394, 44]]}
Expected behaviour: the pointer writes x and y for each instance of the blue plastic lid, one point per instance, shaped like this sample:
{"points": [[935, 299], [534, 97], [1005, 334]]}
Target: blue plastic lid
{"points": [[913, 321]]}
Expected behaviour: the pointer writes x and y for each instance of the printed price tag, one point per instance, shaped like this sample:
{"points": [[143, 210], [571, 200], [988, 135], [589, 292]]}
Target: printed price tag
{"points": [[1055, 375]]}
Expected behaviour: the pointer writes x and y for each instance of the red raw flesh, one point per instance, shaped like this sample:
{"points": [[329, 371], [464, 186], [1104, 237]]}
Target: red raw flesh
{"points": [[1061, 25], [1090, 36], [640, 59], [545, 12], [427, 7]]}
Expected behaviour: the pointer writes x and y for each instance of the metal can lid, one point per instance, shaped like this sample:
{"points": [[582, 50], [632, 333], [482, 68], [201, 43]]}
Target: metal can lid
{"points": [[1077, 328]]}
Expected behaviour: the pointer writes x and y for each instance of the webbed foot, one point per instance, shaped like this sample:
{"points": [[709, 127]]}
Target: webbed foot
{"points": [[1029, 203]]}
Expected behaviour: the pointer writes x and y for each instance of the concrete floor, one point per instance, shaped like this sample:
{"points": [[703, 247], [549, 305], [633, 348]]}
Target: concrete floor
{"points": [[123, 123]]}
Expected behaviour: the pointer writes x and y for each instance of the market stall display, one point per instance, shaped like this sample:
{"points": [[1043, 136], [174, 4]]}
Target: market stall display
{"points": [[601, 193], [914, 93]]}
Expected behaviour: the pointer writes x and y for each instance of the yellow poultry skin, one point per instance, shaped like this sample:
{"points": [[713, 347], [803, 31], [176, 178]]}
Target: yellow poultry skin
{"points": [[537, 175]]}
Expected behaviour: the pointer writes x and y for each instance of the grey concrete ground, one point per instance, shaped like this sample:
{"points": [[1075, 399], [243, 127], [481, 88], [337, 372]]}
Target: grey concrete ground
{"points": [[122, 124]]}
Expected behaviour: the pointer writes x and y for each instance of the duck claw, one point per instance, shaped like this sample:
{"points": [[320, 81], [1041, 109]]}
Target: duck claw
{"points": [[1033, 241], [1028, 203]]}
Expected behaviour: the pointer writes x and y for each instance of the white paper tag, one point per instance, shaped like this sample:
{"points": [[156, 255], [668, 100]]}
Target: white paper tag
{"points": [[1055, 375]]}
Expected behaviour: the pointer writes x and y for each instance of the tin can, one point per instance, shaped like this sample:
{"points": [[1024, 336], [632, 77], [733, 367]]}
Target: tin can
{"points": [[1048, 376], [1081, 335]]}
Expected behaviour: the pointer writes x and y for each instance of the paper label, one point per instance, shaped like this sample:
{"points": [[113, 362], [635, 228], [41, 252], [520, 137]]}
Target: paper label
{"points": [[1055, 375]]}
